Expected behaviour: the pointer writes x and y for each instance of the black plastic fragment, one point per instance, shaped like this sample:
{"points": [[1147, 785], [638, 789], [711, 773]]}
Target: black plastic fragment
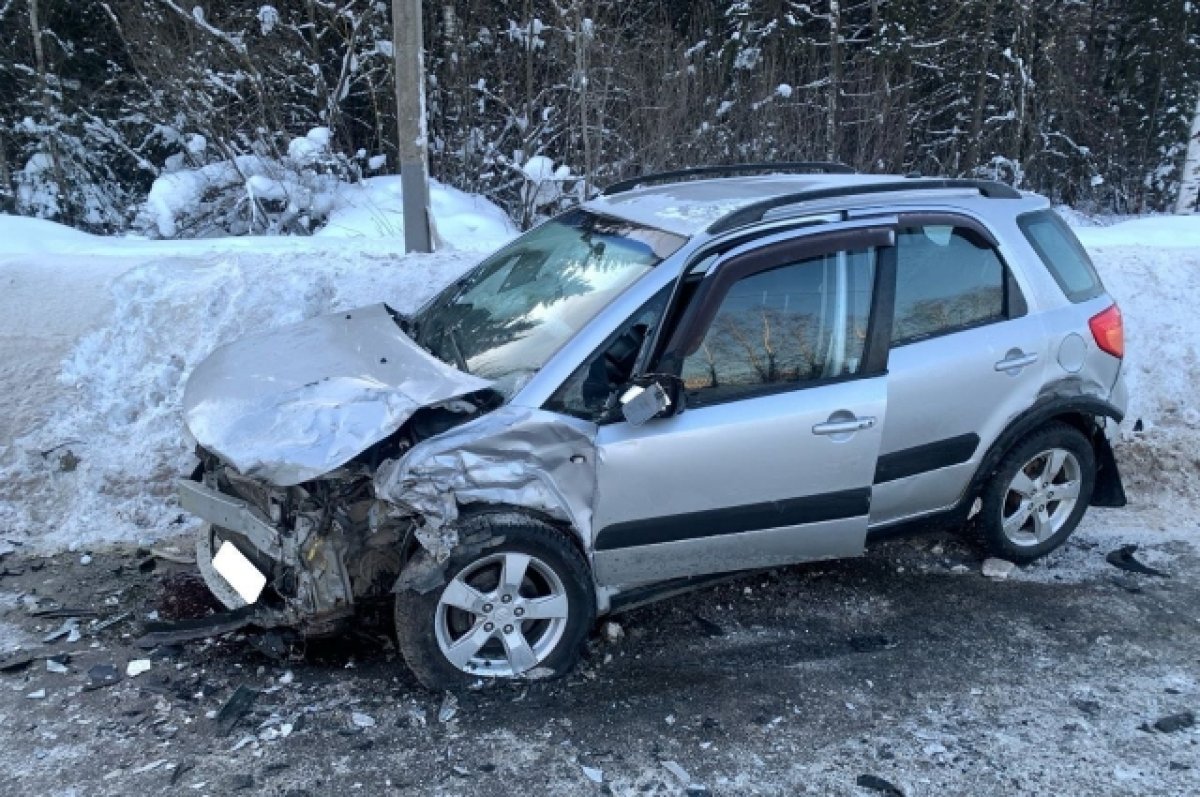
{"points": [[1175, 722], [876, 783], [170, 633], [100, 676], [1123, 558], [237, 706]]}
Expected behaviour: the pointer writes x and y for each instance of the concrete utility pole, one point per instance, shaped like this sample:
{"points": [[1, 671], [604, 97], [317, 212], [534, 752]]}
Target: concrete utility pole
{"points": [[408, 44]]}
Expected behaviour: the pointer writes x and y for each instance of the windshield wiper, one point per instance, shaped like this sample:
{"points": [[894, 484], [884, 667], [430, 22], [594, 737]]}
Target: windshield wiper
{"points": [[461, 361]]}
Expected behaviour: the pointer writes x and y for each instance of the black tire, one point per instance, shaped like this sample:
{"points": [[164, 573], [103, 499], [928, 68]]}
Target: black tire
{"points": [[1000, 497], [421, 617]]}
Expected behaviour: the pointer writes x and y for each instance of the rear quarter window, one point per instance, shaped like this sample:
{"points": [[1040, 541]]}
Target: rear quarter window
{"points": [[1064, 256]]}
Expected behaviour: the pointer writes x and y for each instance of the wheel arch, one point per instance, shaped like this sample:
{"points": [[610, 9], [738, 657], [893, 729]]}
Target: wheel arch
{"points": [[1085, 413], [422, 572]]}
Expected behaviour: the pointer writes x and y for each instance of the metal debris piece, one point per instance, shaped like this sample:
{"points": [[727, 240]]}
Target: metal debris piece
{"points": [[38, 695], [136, 667], [58, 667], [1123, 558], [171, 556], [678, 771], [237, 706], [593, 774], [64, 630], [110, 622], [876, 783], [153, 765], [449, 708]]}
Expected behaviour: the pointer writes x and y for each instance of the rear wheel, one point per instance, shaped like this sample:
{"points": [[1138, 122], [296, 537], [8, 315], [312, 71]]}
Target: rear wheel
{"points": [[518, 603], [1039, 494]]}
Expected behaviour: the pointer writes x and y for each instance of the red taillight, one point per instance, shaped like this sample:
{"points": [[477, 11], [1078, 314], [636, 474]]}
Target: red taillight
{"points": [[1109, 332]]}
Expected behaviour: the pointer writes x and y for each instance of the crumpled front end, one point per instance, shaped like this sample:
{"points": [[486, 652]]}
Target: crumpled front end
{"points": [[336, 450], [320, 548], [513, 457], [295, 403]]}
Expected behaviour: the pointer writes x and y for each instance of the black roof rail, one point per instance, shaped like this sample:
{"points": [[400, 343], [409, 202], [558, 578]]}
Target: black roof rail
{"points": [[755, 212], [785, 167]]}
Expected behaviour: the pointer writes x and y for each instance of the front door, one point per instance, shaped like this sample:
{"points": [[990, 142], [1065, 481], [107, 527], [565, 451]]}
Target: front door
{"points": [[772, 460]]}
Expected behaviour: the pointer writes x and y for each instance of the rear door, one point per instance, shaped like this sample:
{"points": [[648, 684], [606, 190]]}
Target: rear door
{"points": [[782, 351], [966, 358]]}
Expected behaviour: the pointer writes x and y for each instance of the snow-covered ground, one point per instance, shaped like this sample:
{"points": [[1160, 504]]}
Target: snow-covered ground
{"points": [[98, 335]]}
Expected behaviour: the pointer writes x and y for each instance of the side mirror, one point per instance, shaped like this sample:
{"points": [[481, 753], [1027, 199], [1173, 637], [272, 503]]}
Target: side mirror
{"points": [[656, 396]]}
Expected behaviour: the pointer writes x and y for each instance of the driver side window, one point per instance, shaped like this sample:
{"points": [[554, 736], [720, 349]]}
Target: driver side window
{"points": [[784, 328]]}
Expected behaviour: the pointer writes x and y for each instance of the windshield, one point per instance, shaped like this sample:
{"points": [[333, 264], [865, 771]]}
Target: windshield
{"points": [[507, 316]]}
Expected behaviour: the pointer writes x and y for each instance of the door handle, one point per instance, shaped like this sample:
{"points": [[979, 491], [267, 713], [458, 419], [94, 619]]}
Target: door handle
{"points": [[843, 427], [1016, 361]]}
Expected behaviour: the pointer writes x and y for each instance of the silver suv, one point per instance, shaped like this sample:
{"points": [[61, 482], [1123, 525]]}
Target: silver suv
{"points": [[682, 378]]}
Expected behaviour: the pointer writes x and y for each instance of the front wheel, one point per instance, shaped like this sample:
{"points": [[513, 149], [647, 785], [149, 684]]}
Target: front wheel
{"points": [[518, 602], [1038, 494]]}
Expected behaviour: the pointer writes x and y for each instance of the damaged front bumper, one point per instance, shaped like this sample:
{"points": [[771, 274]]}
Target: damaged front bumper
{"points": [[305, 582]]}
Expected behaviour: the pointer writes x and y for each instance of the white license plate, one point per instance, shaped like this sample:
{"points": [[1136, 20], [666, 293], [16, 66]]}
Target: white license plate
{"points": [[240, 572]]}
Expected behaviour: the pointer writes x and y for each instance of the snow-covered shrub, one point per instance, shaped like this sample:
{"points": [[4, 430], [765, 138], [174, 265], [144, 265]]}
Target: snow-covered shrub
{"points": [[251, 194], [545, 191]]}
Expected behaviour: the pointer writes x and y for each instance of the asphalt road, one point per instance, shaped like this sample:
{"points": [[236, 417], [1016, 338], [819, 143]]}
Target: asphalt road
{"points": [[892, 674]]}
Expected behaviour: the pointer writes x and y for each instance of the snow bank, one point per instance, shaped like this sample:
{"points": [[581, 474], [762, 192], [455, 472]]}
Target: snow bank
{"points": [[101, 466], [1152, 267]]}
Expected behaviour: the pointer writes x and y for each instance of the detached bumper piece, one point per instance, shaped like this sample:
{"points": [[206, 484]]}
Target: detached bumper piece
{"points": [[162, 633]]}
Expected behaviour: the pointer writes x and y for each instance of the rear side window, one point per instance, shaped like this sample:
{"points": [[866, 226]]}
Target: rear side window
{"points": [[1063, 255], [946, 281]]}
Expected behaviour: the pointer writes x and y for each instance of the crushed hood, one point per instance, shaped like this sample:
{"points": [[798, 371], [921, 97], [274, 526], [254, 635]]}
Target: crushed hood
{"points": [[298, 402]]}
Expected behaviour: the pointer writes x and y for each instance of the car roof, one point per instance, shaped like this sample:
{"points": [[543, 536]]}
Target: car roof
{"points": [[688, 208]]}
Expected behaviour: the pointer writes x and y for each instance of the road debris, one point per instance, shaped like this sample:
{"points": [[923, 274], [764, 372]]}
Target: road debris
{"points": [[1175, 722], [17, 661], [708, 627], [876, 783], [101, 675], [110, 622], [237, 706], [68, 629], [613, 632], [998, 569], [136, 667], [449, 708], [1124, 559], [362, 720], [56, 665], [593, 774], [38, 695]]}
